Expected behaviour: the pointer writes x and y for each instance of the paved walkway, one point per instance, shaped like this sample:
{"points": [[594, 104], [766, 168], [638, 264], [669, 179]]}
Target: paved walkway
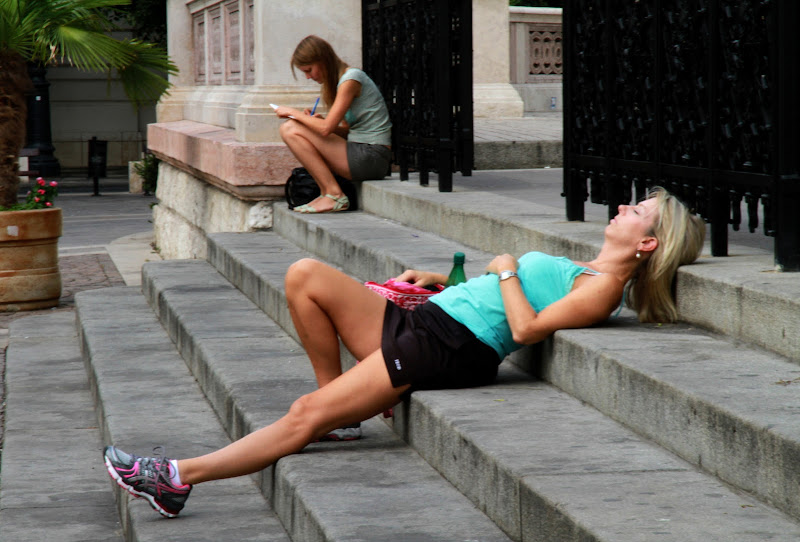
{"points": [[536, 127], [103, 237]]}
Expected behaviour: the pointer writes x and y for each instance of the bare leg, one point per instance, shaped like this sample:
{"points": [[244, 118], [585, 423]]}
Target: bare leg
{"points": [[321, 156], [358, 394], [325, 304]]}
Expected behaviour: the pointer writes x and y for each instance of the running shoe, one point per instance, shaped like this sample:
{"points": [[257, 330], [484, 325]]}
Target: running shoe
{"points": [[350, 432], [147, 477]]}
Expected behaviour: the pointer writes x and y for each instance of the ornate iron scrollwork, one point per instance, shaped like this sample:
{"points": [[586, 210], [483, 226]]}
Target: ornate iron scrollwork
{"points": [[694, 95], [419, 52]]}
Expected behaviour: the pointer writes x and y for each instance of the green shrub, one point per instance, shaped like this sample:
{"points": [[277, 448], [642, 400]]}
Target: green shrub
{"points": [[147, 169]]}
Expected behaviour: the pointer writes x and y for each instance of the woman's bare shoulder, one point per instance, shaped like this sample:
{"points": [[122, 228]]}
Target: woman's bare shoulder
{"points": [[604, 290]]}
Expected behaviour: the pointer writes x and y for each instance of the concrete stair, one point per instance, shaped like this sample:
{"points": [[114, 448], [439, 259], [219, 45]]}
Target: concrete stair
{"points": [[614, 433], [47, 496]]}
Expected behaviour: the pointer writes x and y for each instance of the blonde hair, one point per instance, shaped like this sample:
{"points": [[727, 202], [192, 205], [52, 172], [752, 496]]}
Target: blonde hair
{"points": [[680, 236], [313, 49]]}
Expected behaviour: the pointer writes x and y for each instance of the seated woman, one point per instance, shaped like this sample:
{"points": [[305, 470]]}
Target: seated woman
{"points": [[353, 140], [457, 339]]}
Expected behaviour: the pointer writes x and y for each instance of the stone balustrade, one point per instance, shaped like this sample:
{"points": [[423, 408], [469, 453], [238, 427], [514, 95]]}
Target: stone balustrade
{"points": [[536, 56]]}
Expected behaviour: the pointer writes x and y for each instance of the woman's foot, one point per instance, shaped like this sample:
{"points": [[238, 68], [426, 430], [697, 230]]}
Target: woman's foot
{"points": [[149, 478], [349, 432], [329, 203]]}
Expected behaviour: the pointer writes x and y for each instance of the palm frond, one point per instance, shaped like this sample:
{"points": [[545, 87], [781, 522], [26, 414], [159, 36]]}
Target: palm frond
{"points": [[89, 50], [77, 32], [144, 79]]}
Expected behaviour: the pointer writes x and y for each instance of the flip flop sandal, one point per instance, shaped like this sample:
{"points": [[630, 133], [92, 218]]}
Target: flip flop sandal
{"points": [[342, 203]]}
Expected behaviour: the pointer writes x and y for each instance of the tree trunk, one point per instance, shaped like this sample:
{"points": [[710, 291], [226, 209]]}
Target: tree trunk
{"points": [[14, 82]]}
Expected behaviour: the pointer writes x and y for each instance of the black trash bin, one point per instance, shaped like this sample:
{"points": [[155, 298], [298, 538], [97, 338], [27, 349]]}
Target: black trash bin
{"points": [[98, 159]]}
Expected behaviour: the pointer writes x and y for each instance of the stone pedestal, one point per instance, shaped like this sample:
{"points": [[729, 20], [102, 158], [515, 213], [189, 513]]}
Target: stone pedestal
{"points": [[492, 94], [210, 182], [190, 208], [135, 181]]}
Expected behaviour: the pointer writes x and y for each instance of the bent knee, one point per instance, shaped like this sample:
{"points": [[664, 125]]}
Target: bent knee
{"points": [[300, 274], [290, 129], [301, 270]]}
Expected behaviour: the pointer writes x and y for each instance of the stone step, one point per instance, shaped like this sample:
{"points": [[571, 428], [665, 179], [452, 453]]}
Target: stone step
{"points": [[146, 397], [740, 296], [691, 399], [545, 466], [257, 262], [50, 489], [377, 488], [725, 407], [253, 257], [747, 437]]}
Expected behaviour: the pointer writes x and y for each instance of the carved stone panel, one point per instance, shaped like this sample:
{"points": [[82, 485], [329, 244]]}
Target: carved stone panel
{"points": [[199, 36], [223, 41], [233, 43], [215, 45], [544, 52]]}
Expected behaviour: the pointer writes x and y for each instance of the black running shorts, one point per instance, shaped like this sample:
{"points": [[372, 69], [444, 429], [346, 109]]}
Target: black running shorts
{"points": [[430, 350]]}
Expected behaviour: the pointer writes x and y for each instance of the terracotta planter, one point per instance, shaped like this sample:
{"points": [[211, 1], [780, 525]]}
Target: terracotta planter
{"points": [[29, 275]]}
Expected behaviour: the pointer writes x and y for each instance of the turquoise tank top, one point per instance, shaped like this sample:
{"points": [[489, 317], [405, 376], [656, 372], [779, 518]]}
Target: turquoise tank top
{"points": [[478, 304], [368, 116]]}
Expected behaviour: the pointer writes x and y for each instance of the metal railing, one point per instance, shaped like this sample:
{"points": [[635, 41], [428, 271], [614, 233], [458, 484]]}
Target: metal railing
{"points": [[699, 96], [419, 53]]}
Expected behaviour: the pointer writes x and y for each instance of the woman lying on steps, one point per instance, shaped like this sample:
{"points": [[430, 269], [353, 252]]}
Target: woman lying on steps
{"points": [[455, 340]]}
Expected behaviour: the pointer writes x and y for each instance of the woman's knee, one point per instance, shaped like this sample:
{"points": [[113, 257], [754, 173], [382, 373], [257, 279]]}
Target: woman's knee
{"points": [[291, 130], [287, 129], [300, 274], [305, 416]]}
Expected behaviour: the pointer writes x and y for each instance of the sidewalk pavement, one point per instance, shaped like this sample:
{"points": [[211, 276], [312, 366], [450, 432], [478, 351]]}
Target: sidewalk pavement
{"points": [[104, 243]]}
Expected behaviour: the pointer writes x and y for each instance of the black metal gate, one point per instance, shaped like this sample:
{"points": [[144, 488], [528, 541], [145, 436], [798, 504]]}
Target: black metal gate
{"points": [[699, 96], [419, 53]]}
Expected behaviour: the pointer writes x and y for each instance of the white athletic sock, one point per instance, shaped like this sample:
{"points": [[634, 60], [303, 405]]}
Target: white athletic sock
{"points": [[174, 475]]}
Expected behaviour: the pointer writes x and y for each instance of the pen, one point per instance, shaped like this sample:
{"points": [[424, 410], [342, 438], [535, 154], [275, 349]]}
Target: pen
{"points": [[313, 109]]}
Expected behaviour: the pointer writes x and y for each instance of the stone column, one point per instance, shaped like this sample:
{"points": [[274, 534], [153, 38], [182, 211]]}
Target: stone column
{"points": [[493, 95], [181, 51]]}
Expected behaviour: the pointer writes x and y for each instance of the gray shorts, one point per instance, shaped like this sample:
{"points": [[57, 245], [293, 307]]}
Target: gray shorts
{"points": [[367, 162]]}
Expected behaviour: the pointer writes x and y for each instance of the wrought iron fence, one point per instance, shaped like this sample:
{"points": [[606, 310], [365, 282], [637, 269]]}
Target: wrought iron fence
{"points": [[419, 53], [699, 96]]}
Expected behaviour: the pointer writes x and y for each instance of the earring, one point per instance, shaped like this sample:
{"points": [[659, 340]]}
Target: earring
{"points": [[638, 254]]}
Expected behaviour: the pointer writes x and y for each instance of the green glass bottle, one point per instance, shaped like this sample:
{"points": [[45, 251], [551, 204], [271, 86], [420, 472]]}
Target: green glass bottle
{"points": [[457, 275]]}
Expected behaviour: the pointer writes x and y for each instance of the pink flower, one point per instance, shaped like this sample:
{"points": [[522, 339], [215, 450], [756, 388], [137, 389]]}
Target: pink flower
{"points": [[48, 204], [41, 191], [40, 181], [53, 183], [36, 200]]}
